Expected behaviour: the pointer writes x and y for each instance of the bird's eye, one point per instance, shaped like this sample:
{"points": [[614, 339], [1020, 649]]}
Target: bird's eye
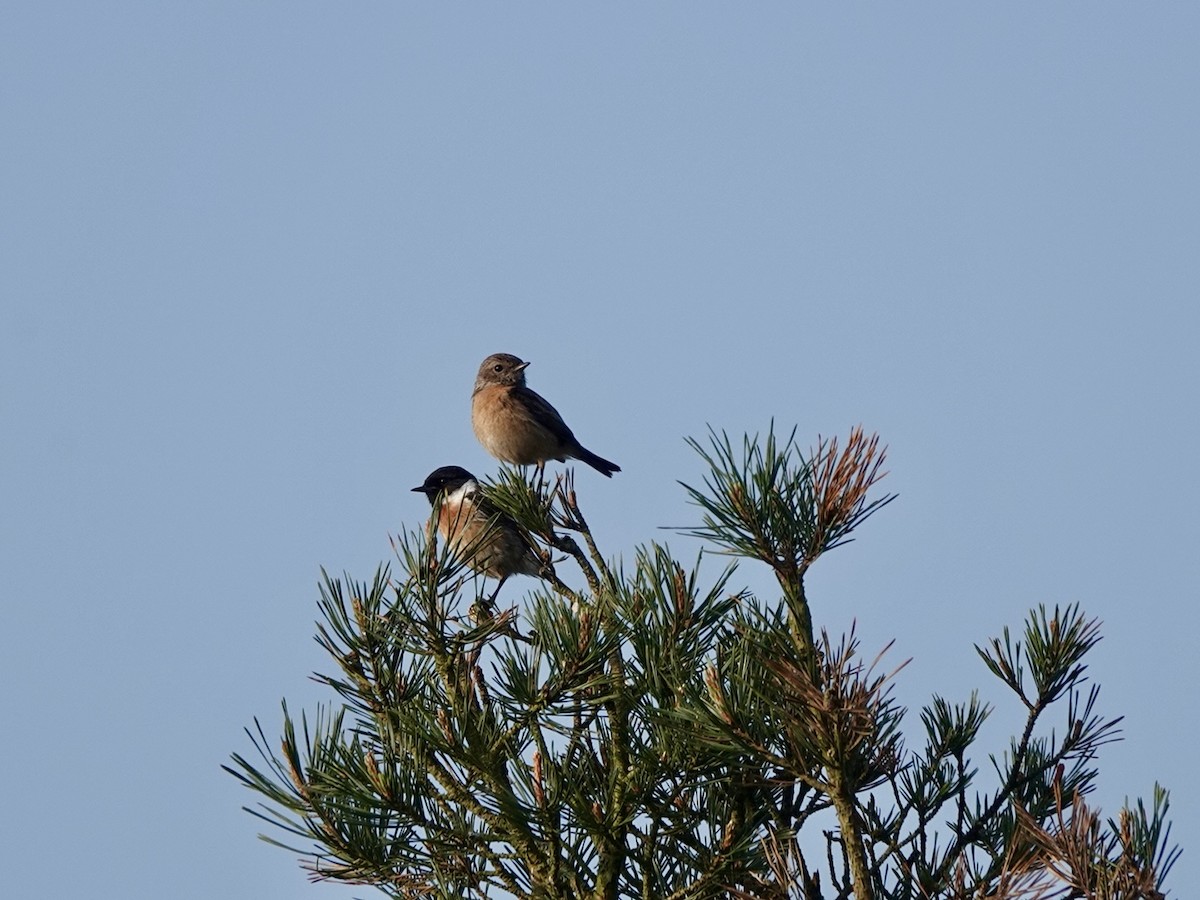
{"points": [[497, 368]]}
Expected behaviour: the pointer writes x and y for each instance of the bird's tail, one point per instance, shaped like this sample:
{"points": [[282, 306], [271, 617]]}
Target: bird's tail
{"points": [[599, 463]]}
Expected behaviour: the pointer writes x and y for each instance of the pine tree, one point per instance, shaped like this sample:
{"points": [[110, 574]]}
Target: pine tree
{"points": [[653, 735]]}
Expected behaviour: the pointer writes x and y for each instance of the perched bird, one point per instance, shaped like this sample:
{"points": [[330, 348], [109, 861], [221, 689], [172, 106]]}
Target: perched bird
{"points": [[493, 543], [517, 425]]}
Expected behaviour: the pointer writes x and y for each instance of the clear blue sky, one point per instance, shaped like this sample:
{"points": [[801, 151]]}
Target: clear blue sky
{"points": [[254, 253]]}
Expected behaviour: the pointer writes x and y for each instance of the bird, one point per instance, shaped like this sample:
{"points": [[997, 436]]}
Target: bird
{"points": [[491, 541], [517, 425]]}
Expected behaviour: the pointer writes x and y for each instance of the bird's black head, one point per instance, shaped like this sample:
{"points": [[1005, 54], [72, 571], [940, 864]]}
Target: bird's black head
{"points": [[447, 478]]}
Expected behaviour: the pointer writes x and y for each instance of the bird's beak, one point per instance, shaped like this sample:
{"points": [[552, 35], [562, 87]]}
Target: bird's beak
{"points": [[419, 490], [523, 366]]}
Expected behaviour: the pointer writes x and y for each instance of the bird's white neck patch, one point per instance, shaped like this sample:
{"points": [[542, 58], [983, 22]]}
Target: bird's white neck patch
{"points": [[465, 492]]}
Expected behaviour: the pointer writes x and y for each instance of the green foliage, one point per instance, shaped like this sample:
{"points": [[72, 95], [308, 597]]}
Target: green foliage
{"points": [[657, 734]]}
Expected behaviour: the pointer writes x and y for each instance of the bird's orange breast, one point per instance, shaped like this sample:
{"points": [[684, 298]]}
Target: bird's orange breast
{"points": [[508, 431]]}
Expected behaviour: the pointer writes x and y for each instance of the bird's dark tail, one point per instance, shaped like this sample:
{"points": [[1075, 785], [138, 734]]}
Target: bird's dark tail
{"points": [[599, 463]]}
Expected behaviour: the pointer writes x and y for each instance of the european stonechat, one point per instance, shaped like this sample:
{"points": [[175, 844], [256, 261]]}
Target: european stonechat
{"points": [[517, 425], [493, 543]]}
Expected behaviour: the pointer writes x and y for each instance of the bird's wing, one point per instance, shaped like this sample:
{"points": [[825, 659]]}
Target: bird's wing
{"points": [[501, 520], [486, 508], [545, 415]]}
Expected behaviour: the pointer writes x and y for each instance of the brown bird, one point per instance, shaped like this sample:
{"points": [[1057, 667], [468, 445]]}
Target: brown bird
{"points": [[493, 544], [517, 425]]}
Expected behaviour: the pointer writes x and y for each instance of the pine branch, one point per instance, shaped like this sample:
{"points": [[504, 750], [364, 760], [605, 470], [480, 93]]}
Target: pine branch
{"points": [[659, 734]]}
